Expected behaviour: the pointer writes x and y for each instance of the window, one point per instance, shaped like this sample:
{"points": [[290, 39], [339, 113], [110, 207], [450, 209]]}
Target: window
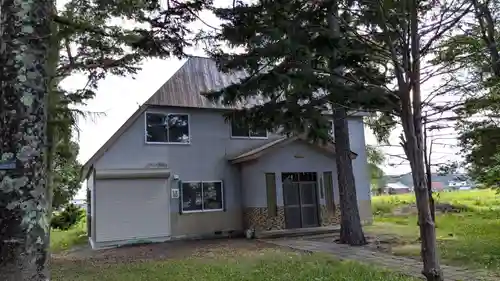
{"points": [[202, 196], [167, 128], [239, 130]]}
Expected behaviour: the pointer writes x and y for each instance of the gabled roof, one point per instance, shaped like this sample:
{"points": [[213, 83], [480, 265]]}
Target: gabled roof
{"points": [[183, 89], [197, 75], [268, 147], [200, 75]]}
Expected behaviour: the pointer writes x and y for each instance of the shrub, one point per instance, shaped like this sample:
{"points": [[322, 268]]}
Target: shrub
{"points": [[70, 216], [382, 208]]}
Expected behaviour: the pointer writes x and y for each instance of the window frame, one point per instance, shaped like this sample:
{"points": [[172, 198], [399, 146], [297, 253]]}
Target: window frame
{"points": [[166, 114], [246, 137], [181, 197]]}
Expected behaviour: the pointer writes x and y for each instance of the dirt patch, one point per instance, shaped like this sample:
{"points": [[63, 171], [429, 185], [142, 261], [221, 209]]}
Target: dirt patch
{"points": [[170, 250]]}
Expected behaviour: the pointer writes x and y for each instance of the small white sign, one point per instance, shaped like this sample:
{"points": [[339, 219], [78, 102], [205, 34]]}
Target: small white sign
{"points": [[175, 193]]}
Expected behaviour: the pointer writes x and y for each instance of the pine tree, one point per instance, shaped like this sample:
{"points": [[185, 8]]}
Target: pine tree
{"points": [[289, 63]]}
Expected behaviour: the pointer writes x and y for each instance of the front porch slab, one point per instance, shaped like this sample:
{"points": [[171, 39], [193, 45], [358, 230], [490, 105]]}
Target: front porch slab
{"points": [[276, 233]]}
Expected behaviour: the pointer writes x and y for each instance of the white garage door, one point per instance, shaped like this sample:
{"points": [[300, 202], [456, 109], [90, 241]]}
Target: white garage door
{"points": [[132, 209]]}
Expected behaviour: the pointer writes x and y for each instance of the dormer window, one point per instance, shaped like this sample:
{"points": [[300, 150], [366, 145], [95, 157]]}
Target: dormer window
{"points": [[239, 130]]}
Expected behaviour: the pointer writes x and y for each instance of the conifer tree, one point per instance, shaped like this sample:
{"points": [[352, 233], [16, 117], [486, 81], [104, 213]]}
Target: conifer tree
{"points": [[291, 59]]}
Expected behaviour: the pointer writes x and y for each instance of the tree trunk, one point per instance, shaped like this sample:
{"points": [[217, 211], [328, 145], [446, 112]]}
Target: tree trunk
{"points": [[428, 172], [351, 231], [431, 269], [24, 224], [53, 99], [432, 204], [414, 150]]}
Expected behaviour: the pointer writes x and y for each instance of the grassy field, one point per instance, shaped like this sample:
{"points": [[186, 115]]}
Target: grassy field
{"points": [[63, 240], [264, 266], [468, 238], [479, 200]]}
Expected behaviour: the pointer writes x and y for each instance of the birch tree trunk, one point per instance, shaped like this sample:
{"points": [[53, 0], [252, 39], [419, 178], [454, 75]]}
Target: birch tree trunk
{"points": [[24, 224], [351, 231]]}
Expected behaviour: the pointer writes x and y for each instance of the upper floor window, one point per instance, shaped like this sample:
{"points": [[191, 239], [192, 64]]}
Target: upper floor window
{"points": [[239, 130], [167, 128]]}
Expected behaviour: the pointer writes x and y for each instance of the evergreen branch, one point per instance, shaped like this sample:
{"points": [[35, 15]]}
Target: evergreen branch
{"points": [[440, 33]]}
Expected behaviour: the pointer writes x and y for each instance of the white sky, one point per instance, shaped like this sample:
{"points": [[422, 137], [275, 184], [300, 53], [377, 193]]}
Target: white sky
{"points": [[119, 97]]}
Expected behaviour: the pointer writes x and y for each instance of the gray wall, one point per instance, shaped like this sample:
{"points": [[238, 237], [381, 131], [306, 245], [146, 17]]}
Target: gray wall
{"points": [[205, 158], [360, 166], [283, 160]]}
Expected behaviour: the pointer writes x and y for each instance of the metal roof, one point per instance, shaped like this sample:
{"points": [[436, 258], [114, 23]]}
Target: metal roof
{"points": [[196, 76]]}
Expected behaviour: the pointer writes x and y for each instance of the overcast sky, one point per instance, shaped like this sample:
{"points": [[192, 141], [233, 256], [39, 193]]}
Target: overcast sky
{"points": [[119, 97]]}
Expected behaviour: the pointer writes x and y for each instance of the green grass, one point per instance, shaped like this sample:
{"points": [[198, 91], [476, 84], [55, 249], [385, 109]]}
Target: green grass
{"points": [[469, 238], [64, 240], [269, 267], [484, 199]]}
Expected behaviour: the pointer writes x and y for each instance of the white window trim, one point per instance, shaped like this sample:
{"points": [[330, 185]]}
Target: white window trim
{"points": [[246, 138], [166, 114], [202, 210]]}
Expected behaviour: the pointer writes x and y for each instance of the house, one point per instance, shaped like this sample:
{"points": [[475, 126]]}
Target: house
{"points": [[439, 183], [202, 177], [396, 188], [80, 203]]}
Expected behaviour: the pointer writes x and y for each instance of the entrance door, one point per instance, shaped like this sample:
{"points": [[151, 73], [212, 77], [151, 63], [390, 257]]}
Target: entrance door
{"points": [[300, 199]]}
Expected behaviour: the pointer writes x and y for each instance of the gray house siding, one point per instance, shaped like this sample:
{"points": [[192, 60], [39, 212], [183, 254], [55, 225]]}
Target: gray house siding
{"points": [[283, 160], [205, 158], [359, 164]]}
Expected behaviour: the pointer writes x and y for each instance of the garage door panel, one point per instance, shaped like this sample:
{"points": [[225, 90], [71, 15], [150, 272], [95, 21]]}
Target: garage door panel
{"points": [[132, 209]]}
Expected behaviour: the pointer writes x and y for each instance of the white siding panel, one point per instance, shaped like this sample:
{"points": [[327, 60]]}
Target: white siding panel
{"points": [[132, 209]]}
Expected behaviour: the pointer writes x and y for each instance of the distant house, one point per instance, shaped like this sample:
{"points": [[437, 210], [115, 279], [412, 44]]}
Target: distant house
{"points": [[439, 182], [396, 188], [437, 186], [82, 203]]}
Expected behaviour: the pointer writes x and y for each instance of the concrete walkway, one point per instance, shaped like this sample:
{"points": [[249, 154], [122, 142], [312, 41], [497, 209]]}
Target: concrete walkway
{"points": [[403, 265]]}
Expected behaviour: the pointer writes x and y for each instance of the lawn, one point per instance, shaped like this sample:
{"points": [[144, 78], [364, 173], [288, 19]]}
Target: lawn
{"points": [[63, 240], [468, 238], [269, 266], [234, 259]]}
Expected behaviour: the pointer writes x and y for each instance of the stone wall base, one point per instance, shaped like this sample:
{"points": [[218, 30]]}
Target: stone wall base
{"points": [[259, 219]]}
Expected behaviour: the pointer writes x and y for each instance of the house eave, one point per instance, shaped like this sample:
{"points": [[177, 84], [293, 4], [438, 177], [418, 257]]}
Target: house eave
{"points": [[249, 156]]}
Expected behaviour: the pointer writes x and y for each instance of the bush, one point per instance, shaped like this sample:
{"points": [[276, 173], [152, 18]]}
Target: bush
{"points": [[70, 216]]}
